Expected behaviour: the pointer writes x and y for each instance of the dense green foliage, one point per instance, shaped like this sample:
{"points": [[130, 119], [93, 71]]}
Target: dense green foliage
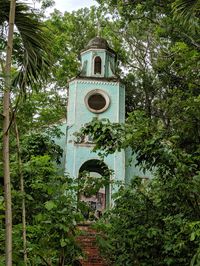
{"points": [[51, 211], [156, 223], [152, 223], [30, 47]]}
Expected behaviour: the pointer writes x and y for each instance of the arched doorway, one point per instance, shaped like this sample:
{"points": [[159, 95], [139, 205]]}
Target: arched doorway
{"points": [[96, 195]]}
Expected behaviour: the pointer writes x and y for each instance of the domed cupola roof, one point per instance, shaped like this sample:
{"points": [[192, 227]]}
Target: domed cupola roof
{"points": [[98, 59], [98, 42]]}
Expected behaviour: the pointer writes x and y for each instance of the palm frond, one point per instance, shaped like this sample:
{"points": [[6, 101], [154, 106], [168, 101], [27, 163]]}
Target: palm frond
{"points": [[187, 8], [33, 63]]}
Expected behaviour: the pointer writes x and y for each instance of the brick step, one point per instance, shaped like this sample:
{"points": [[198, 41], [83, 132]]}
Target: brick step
{"points": [[87, 238], [88, 243]]}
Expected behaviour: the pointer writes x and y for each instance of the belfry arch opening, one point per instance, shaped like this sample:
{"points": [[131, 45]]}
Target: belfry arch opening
{"points": [[97, 65], [96, 197]]}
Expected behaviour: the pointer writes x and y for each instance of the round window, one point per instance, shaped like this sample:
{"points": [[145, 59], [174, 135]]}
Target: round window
{"points": [[97, 101]]}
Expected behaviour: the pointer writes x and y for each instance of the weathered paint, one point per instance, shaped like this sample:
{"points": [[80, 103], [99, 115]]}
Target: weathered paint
{"points": [[79, 115], [122, 163], [131, 167], [107, 59]]}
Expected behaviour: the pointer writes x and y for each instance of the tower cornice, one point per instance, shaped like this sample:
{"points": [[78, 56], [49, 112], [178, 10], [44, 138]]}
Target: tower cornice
{"points": [[94, 80]]}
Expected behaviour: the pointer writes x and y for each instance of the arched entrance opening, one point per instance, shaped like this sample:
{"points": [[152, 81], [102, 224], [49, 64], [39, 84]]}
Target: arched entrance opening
{"points": [[95, 176]]}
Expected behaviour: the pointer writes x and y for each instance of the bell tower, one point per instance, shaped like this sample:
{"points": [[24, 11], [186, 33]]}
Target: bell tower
{"points": [[95, 92]]}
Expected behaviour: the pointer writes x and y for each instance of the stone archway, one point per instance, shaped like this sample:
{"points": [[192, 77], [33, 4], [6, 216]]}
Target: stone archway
{"points": [[100, 200]]}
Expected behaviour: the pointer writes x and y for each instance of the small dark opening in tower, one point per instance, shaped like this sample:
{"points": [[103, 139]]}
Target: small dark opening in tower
{"points": [[97, 65], [96, 101]]}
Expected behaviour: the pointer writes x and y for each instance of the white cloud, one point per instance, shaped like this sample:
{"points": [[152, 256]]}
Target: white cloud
{"points": [[70, 5]]}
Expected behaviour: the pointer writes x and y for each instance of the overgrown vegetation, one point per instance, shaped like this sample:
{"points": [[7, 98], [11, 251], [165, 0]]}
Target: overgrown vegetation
{"points": [[157, 222], [152, 223]]}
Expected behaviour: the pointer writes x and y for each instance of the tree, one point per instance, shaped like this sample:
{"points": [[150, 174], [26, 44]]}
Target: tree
{"points": [[149, 30], [6, 122], [51, 214], [30, 45], [33, 64], [155, 221], [187, 9], [71, 32], [20, 172]]}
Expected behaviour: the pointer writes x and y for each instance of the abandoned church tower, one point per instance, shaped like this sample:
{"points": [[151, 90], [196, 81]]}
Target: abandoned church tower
{"points": [[96, 92]]}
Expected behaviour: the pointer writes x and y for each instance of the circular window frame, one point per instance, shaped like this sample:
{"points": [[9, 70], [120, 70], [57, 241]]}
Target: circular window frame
{"points": [[103, 94]]}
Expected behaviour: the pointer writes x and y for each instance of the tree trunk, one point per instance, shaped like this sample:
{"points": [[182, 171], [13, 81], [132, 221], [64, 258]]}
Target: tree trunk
{"points": [[61, 261], [6, 122], [22, 191]]}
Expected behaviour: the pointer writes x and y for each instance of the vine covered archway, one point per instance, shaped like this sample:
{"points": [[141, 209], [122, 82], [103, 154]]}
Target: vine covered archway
{"points": [[94, 174]]}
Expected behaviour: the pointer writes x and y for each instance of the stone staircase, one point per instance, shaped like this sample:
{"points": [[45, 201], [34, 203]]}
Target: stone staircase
{"points": [[87, 241]]}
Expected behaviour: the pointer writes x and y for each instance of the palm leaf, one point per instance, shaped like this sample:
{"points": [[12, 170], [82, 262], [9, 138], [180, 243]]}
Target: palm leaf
{"points": [[187, 8], [33, 61]]}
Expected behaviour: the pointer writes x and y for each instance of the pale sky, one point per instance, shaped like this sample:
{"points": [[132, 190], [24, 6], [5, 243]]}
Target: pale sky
{"points": [[70, 5]]}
